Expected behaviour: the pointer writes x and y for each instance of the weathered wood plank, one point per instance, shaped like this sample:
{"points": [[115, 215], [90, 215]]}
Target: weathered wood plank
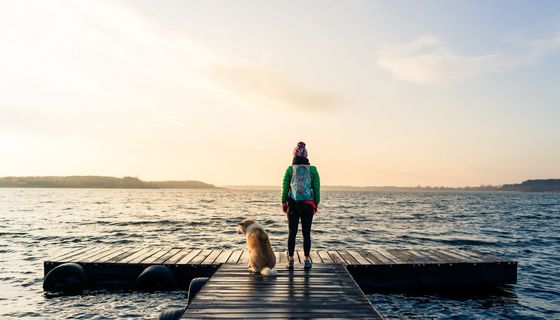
{"points": [[85, 255], [371, 258], [165, 256], [177, 256], [200, 257], [336, 258], [283, 257], [299, 257], [69, 254], [145, 255], [223, 257], [151, 259], [471, 256], [427, 256], [134, 255], [244, 257], [325, 256], [415, 258], [315, 258], [189, 256], [402, 255], [390, 256], [100, 254], [211, 257], [347, 257], [110, 256], [487, 257], [358, 257], [459, 258], [123, 255], [444, 257], [234, 258]]}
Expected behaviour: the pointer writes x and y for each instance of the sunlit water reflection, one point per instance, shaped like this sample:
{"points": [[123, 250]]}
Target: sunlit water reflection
{"points": [[37, 223]]}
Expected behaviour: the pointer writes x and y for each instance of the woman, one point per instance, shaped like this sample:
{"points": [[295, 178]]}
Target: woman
{"points": [[300, 198]]}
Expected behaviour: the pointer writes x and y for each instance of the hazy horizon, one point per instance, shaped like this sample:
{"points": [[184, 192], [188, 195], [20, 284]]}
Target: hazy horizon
{"points": [[384, 93]]}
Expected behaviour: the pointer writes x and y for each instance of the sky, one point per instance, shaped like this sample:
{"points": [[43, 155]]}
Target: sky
{"points": [[402, 93]]}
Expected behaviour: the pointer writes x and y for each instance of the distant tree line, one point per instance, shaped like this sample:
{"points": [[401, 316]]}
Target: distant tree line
{"points": [[97, 182], [536, 185]]}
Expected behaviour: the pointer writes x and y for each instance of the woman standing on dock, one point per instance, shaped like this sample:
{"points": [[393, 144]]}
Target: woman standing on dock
{"points": [[300, 198]]}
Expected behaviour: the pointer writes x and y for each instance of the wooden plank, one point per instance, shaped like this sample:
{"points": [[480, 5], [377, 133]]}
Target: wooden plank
{"points": [[417, 259], [444, 257], [177, 256], [211, 257], [201, 257], [428, 256], [145, 255], [85, 255], [68, 254], [189, 256], [390, 256], [283, 257], [473, 257], [98, 255], [300, 256], [234, 258], [166, 256], [459, 258], [488, 257], [325, 256], [370, 257], [107, 258], [347, 257], [223, 257], [336, 258], [123, 255], [358, 257], [153, 257], [135, 255], [315, 258], [402, 255], [244, 257]]}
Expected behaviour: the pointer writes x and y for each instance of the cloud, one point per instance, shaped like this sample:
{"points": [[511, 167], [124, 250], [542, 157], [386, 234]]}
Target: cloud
{"points": [[262, 82], [109, 50], [428, 60]]}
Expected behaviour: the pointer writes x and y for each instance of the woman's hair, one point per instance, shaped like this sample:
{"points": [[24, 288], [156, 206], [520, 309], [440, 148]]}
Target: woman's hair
{"points": [[300, 160]]}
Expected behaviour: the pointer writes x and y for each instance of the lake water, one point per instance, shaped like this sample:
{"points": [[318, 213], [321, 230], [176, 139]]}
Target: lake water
{"points": [[37, 223]]}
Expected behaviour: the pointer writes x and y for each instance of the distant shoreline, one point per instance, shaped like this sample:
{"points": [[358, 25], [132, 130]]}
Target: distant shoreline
{"points": [[106, 182], [535, 185], [99, 182]]}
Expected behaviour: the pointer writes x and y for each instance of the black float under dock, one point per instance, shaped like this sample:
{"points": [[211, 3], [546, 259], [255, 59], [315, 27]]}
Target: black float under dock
{"points": [[336, 280]]}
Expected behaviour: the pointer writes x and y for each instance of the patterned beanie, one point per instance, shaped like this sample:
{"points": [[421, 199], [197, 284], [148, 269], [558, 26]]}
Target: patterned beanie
{"points": [[300, 150]]}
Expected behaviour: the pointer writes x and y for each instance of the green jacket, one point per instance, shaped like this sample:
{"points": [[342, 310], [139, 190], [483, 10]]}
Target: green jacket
{"points": [[315, 184]]}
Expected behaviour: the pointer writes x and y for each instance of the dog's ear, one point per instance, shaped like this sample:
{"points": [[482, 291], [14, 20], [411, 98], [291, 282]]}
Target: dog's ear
{"points": [[240, 224]]}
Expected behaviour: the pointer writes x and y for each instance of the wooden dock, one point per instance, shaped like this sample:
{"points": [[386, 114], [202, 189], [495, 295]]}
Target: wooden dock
{"points": [[327, 291], [371, 269], [332, 289]]}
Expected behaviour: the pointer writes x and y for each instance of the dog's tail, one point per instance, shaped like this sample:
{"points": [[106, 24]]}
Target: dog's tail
{"points": [[266, 271]]}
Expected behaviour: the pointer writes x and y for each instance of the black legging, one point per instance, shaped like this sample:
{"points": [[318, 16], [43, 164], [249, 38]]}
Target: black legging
{"points": [[305, 212]]}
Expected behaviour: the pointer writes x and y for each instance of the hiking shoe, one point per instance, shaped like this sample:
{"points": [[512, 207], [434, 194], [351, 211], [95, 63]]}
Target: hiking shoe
{"points": [[290, 264], [307, 264]]}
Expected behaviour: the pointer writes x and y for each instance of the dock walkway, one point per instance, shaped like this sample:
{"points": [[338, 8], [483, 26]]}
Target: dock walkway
{"points": [[327, 291]]}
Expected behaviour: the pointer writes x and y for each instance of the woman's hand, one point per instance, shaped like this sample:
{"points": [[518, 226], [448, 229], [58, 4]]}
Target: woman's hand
{"points": [[315, 208], [285, 207]]}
